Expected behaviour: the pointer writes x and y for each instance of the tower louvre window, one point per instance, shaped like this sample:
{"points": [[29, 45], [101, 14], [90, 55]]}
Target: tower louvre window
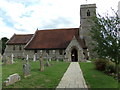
{"points": [[88, 13]]}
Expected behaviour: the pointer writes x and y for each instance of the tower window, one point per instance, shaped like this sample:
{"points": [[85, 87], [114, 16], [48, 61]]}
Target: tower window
{"points": [[88, 13]]}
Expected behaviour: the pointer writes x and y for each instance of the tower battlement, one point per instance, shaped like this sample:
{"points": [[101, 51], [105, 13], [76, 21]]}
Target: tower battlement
{"points": [[88, 6]]}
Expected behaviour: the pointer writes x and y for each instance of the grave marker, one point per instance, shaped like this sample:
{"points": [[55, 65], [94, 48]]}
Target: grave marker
{"points": [[12, 79], [34, 58], [0, 58], [26, 69], [49, 59], [7, 60], [27, 57], [47, 63], [12, 57], [41, 64]]}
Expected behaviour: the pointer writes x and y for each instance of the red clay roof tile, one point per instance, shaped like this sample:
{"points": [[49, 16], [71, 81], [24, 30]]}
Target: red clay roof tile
{"points": [[53, 39], [19, 39]]}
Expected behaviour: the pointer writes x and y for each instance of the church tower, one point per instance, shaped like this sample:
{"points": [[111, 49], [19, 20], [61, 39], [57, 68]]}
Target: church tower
{"points": [[87, 11]]}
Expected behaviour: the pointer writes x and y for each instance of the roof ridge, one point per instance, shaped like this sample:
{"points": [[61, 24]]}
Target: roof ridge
{"points": [[23, 34], [57, 29]]}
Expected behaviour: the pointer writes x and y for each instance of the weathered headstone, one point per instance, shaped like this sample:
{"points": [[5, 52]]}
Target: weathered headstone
{"points": [[34, 58], [0, 59], [4, 60], [26, 69], [49, 59], [57, 59], [12, 79], [41, 64], [47, 63], [7, 60], [12, 57], [27, 57]]}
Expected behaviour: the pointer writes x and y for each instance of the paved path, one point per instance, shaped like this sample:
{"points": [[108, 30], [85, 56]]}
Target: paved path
{"points": [[73, 77]]}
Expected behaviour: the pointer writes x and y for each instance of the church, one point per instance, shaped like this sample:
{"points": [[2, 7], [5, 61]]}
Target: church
{"points": [[68, 44]]}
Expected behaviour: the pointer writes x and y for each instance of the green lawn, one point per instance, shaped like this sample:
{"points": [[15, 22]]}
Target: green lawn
{"points": [[49, 78], [97, 79]]}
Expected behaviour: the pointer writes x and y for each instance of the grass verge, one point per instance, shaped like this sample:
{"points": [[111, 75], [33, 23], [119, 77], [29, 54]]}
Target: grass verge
{"points": [[49, 78], [97, 79]]}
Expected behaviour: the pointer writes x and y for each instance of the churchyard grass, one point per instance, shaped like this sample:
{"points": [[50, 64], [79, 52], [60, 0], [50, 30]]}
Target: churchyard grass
{"points": [[97, 79], [49, 78]]}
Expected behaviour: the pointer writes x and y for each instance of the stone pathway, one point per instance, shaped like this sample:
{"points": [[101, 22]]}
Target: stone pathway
{"points": [[73, 77]]}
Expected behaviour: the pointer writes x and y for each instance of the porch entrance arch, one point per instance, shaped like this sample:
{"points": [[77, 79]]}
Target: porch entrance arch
{"points": [[74, 55]]}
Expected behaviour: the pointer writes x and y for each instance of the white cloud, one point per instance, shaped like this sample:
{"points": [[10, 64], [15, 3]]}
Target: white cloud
{"points": [[28, 15]]}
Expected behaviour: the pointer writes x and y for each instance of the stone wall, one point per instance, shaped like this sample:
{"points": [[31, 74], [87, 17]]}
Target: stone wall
{"points": [[47, 54], [17, 52], [53, 54]]}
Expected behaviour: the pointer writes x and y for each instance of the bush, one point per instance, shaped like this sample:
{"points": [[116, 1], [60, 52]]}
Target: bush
{"points": [[100, 64], [110, 67]]}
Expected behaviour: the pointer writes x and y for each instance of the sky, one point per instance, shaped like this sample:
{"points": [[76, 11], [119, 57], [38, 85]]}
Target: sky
{"points": [[26, 16]]}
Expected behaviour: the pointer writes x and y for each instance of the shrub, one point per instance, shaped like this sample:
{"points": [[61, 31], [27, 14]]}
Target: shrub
{"points": [[100, 64], [110, 67]]}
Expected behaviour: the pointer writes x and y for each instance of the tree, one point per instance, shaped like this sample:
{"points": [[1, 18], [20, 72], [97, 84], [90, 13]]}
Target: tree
{"points": [[106, 34], [4, 40]]}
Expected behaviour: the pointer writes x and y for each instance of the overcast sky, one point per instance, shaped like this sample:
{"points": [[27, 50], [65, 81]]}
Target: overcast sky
{"points": [[25, 16]]}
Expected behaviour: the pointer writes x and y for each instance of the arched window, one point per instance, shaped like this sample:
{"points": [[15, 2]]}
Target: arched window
{"points": [[35, 51], [60, 52], [88, 13]]}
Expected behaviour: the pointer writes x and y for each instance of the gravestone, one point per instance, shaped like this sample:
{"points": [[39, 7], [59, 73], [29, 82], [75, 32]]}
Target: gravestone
{"points": [[7, 60], [41, 64], [57, 59], [12, 79], [12, 57], [34, 58], [26, 69], [0, 58], [49, 59], [4, 59], [27, 57], [47, 63]]}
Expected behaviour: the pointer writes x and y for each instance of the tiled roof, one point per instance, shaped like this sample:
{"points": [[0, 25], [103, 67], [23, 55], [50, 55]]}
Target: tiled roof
{"points": [[19, 39], [53, 39]]}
